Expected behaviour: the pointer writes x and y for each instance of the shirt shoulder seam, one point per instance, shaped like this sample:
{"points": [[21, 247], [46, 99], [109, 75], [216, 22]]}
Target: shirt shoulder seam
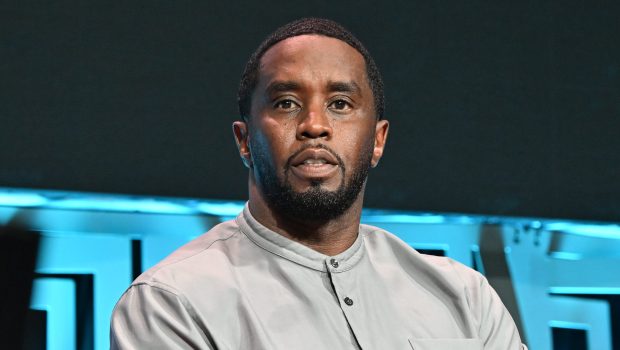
{"points": [[156, 269]]}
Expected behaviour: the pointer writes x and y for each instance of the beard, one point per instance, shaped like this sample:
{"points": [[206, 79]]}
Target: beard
{"points": [[315, 203]]}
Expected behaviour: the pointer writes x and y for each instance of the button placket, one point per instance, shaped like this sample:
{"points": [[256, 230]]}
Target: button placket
{"points": [[336, 277], [344, 287]]}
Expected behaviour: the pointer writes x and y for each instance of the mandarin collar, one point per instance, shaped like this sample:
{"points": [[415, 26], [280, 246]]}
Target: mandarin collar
{"points": [[295, 251]]}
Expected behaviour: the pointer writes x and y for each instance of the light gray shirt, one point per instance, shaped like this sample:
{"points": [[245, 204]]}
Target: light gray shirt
{"points": [[243, 286]]}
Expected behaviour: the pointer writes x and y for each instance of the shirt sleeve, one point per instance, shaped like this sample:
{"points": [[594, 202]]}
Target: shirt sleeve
{"points": [[497, 328], [153, 317]]}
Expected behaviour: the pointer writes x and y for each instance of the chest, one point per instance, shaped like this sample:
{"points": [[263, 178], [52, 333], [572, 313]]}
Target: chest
{"points": [[287, 306]]}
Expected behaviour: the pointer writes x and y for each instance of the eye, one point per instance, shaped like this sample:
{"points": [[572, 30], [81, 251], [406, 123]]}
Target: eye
{"points": [[286, 105], [341, 105]]}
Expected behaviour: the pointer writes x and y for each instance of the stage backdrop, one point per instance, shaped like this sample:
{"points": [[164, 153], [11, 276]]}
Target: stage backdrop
{"points": [[502, 109]]}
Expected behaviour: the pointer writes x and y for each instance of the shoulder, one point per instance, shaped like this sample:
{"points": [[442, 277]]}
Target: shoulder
{"points": [[438, 270], [450, 279], [198, 257]]}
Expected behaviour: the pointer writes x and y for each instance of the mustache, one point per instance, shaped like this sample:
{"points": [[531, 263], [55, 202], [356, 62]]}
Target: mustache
{"points": [[315, 146]]}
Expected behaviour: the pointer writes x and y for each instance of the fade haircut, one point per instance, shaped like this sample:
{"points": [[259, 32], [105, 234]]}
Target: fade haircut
{"points": [[304, 26]]}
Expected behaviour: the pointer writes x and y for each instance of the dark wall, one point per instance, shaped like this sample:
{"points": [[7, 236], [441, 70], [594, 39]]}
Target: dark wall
{"points": [[509, 109]]}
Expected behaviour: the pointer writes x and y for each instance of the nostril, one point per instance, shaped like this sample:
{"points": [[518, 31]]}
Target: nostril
{"points": [[312, 135]]}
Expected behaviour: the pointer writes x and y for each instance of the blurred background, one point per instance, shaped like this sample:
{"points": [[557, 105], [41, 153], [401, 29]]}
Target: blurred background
{"points": [[503, 150]]}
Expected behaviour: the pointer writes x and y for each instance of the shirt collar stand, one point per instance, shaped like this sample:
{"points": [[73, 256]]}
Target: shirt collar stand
{"points": [[297, 252]]}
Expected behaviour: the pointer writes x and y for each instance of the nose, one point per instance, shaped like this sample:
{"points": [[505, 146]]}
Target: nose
{"points": [[314, 124]]}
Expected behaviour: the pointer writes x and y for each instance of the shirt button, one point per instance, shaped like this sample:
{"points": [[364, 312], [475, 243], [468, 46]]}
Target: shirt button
{"points": [[334, 263], [348, 301]]}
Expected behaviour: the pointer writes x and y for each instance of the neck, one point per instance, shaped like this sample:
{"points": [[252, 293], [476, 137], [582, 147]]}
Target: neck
{"points": [[329, 237]]}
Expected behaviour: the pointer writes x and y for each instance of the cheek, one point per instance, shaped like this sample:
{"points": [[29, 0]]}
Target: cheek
{"points": [[357, 143], [278, 133], [274, 140]]}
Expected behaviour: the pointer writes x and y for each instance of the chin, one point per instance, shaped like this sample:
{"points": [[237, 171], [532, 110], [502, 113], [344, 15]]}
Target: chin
{"points": [[317, 185]]}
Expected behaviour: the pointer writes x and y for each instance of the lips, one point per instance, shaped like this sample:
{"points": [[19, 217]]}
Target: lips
{"points": [[314, 156], [314, 164]]}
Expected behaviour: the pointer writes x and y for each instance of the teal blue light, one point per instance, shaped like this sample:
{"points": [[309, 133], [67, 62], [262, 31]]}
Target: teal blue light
{"points": [[600, 231], [566, 255], [56, 296], [106, 257], [404, 218], [13, 199], [569, 325], [123, 205], [585, 290], [229, 209]]}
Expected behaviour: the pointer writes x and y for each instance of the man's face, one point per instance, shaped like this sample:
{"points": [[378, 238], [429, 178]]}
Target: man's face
{"points": [[313, 134]]}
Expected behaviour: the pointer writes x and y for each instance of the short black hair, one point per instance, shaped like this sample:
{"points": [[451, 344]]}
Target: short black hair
{"points": [[304, 26]]}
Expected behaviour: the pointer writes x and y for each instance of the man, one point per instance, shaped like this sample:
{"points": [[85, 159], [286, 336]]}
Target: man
{"points": [[296, 270]]}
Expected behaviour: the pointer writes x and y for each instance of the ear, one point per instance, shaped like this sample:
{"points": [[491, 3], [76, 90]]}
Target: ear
{"points": [[381, 133], [240, 131]]}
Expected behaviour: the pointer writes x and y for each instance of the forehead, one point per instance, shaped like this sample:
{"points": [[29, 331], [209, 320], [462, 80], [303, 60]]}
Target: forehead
{"points": [[312, 59]]}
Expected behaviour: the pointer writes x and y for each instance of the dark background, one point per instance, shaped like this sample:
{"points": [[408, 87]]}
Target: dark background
{"points": [[495, 108]]}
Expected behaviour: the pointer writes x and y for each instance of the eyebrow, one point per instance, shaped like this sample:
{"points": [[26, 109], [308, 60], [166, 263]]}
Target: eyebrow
{"points": [[282, 86], [333, 86], [340, 86]]}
